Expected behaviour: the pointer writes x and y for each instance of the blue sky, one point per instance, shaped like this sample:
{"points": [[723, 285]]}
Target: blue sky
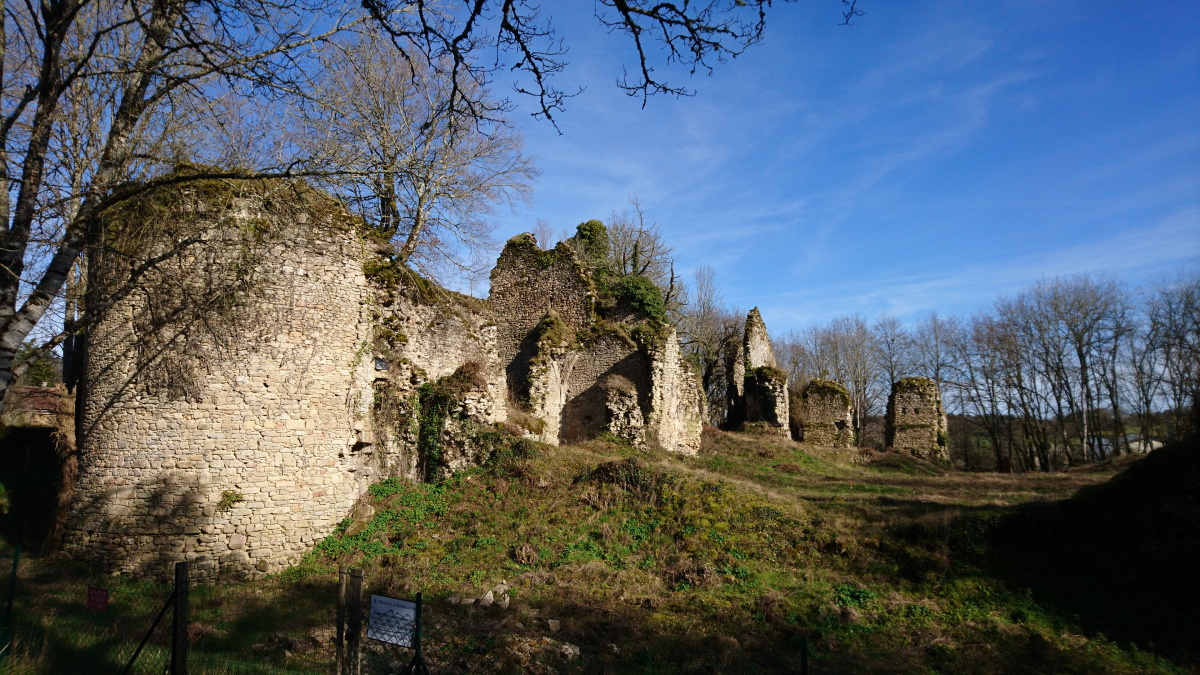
{"points": [[930, 157]]}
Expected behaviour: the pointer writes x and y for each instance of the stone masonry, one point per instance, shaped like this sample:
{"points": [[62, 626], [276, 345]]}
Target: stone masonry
{"points": [[238, 402], [560, 353], [826, 414], [765, 398], [916, 421], [230, 442]]}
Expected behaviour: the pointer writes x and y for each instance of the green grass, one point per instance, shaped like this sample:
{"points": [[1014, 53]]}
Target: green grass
{"points": [[669, 564], [656, 563]]}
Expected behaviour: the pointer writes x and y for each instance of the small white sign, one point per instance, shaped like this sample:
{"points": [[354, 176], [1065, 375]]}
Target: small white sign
{"points": [[393, 620]]}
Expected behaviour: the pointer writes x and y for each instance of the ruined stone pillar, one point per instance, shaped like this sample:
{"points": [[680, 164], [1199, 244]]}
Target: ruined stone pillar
{"points": [[766, 396], [916, 421], [826, 414]]}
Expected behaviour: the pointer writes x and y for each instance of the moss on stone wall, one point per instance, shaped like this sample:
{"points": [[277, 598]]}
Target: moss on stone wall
{"points": [[436, 401], [922, 385], [769, 373], [823, 387]]}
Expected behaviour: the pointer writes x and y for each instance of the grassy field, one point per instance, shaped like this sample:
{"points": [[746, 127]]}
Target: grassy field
{"points": [[737, 558], [741, 559]]}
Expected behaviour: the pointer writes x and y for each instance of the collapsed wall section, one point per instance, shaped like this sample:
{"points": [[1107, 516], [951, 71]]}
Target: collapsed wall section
{"points": [[227, 391], [915, 421], [826, 416], [528, 283], [765, 399], [437, 372]]}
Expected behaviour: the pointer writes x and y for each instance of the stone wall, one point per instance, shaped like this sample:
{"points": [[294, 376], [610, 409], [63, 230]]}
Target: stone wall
{"points": [[763, 395], [609, 354], [677, 399], [757, 343], [225, 391], [246, 391], [528, 282], [916, 421], [767, 399], [423, 335], [826, 414]]}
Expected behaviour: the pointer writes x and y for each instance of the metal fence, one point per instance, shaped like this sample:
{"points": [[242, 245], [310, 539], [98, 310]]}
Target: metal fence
{"points": [[68, 619]]}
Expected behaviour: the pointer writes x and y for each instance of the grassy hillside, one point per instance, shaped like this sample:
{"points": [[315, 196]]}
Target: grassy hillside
{"points": [[740, 557]]}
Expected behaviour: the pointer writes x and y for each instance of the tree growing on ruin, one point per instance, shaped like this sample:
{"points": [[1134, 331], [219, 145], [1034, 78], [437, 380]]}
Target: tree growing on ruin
{"points": [[398, 155]]}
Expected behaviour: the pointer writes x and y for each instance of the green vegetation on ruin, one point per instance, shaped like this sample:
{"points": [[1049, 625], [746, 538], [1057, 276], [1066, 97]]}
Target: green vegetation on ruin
{"points": [[769, 374], [823, 387], [923, 385]]}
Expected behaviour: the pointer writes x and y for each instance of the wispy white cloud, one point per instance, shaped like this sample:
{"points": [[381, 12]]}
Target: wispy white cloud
{"points": [[1137, 256]]}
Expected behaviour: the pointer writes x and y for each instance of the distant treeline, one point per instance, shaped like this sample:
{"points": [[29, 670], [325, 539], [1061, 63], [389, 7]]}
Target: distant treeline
{"points": [[1068, 371]]}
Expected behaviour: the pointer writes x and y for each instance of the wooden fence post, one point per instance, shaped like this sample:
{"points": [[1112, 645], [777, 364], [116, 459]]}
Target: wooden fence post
{"points": [[354, 622], [340, 666], [179, 628]]}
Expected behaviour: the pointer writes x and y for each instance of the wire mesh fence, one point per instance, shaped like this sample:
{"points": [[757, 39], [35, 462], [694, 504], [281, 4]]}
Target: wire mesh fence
{"points": [[68, 619]]}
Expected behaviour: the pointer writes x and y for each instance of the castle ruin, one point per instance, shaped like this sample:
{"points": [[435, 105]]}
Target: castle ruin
{"points": [[916, 421], [757, 387], [825, 415], [241, 393]]}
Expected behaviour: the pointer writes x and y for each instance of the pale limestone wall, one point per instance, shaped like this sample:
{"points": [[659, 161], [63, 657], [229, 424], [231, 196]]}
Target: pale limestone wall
{"points": [[765, 396], [528, 282], [757, 343], [585, 413], [915, 421], [624, 419], [767, 400], [565, 382], [567, 385], [826, 414], [676, 399], [262, 404], [430, 338]]}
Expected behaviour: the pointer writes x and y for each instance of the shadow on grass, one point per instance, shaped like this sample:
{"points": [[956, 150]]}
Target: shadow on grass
{"points": [[1120, 557], [270, 626]]}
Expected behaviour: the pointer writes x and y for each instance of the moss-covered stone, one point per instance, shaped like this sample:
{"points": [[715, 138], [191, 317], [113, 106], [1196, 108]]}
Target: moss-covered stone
{"points": [[823, 387]]}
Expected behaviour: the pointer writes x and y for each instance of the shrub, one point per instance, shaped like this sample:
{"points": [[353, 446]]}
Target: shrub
{"points": [[637, 293]]}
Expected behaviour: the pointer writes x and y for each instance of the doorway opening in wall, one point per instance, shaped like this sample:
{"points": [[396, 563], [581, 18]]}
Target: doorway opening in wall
{"points": [[30, 476]]}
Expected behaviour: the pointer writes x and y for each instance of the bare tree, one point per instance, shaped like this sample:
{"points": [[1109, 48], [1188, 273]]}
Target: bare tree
{"points": [[142, 70], [845, 351], [120, 73], [708, 326], [545, 233], [638, 248], [1174, 315], [931, 347], [895, 347], [423, 176]]}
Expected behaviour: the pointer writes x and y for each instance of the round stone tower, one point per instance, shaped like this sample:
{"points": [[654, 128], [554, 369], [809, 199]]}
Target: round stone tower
{"points": [[227, 387]]}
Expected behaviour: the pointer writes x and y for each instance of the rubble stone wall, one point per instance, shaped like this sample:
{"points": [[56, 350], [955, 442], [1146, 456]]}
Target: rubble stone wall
{"points": [[234, 447], [767, 399], [527, 283], [826, 414], [420, 340], [585, 413], [915, 421], [757, 342], [677, 399]]}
